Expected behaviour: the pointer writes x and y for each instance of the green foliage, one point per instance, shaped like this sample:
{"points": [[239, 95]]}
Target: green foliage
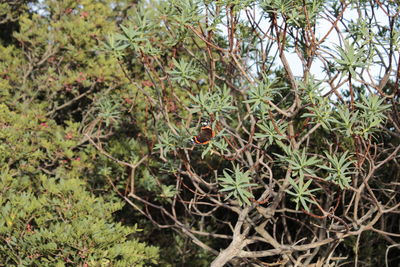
{"points": [[134, 37], [56, 88], [108, 111], [320, 112], [366, 120], [372, 114], [300, 163], [168, 191], [350, 58], [301, 166], [183, 13], [346, 120], [301, 194], [293, 11], [170, 141], [167, 143], [46, 221], [320, 109], [237, 186], [260, 94], [64, 224], [184, 73], [268, 132], [340, 169], [217, 103]]}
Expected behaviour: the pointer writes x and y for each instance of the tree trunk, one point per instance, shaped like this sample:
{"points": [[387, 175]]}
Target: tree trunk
{"points": [[229, 253]]}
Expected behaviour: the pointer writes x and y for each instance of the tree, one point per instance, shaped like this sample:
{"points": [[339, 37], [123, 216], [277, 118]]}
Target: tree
{"points": [[50, 77], [303, 168]]}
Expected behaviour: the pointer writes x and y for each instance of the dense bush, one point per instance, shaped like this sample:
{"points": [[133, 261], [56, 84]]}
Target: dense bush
{"points": [[49, 73]]}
